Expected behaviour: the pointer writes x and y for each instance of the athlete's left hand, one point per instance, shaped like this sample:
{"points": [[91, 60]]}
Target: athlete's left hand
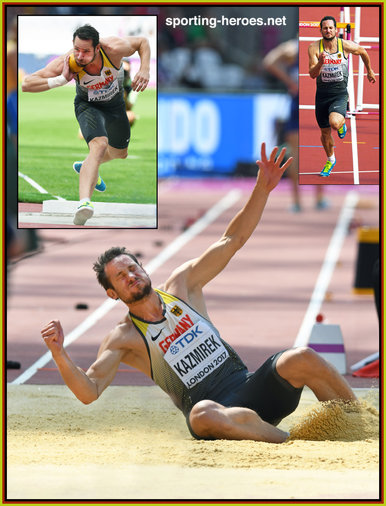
{"points": [[141, 80], [371, 76], [270, 170]]}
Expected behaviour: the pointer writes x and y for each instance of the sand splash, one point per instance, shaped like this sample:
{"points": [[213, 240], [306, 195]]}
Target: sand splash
{"points": [[338, 421]]}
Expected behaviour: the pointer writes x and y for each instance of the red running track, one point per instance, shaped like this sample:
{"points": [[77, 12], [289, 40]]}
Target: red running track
{"points": [[311, 153], [258, 303]]}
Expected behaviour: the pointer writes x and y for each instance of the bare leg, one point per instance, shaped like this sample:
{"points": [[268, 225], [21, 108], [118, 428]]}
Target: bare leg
{"points": [[327, 141], [336, 120], [88, 175], [113, 153], [209, 419], [304, 367], [100, 152]]}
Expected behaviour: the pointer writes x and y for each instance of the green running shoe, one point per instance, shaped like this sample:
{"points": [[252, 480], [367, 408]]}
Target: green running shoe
{"points": [[342, 131], [83, 213], [327, 169]]}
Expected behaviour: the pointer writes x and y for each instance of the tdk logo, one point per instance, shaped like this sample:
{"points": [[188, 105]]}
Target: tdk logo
{"points": [[187, 338]]}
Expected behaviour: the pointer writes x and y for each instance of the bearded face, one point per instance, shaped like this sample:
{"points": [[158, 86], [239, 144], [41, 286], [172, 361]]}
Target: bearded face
{"points": [[129, 281]]}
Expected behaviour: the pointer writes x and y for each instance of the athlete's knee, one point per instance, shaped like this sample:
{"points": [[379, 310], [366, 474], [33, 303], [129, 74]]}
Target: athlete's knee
{"points": [[202, 418], [122, 153], [98, 145], [336, 122], [298, 365]]}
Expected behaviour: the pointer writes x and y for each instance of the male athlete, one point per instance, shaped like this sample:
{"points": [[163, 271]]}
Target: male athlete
{"points": [[328, 63], [283, 63], [99, 105], [167, 334]]}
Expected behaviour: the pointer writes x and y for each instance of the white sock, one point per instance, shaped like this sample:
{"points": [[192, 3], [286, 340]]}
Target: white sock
{"points": [[85, 200], [331, 159]]}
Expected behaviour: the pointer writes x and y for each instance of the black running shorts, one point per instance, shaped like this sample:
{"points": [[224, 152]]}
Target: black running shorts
{"points": [[263, 391], [104, 119], [326, 104]]}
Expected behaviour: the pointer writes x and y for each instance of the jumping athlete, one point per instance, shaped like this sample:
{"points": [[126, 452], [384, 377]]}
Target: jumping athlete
{"points": [[99, 104], [328, 63], [168, 335]]}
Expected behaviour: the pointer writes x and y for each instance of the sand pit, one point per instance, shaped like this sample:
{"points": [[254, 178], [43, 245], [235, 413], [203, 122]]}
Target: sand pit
{"points": [[133, 444]]}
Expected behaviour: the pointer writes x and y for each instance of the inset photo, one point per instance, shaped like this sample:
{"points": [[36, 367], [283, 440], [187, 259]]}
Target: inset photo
{"points": [[339, 61], [87, 121]]}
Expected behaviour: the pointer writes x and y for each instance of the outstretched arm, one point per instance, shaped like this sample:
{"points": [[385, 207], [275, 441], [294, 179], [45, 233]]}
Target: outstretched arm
{"points": [[87, 386], [201, 270], [56, 73]]}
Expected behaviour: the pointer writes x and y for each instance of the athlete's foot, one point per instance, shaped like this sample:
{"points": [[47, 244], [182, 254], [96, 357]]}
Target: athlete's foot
{"points": [[83, 213], [342, 131], [322, 204], [296, 208], [327, 168], [100, 186]]}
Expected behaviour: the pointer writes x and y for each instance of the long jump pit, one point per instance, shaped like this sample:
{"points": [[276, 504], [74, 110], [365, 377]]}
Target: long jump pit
{"points": [[133, 444]]}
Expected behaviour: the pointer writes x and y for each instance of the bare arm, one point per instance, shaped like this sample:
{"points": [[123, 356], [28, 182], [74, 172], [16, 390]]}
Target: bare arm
{"points": [[356, 49], [127, 46], [56, 73], [277, 61], [315, 61], [87, 386], [200, 271]]}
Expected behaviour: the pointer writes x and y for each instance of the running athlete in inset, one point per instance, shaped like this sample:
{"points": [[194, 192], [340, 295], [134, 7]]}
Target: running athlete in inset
{"points": [[99, 104], [168, 335], [328, 63]]}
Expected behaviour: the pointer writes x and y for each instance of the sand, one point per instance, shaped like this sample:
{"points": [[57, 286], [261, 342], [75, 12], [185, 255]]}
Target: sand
{"points": [[134, 444]]}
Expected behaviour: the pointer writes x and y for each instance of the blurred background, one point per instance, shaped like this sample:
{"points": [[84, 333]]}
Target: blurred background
{"points": [[212, 81]]}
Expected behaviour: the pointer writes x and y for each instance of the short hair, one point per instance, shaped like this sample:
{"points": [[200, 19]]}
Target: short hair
{"points": [[87, 32], [327, 18], [105, 258]]}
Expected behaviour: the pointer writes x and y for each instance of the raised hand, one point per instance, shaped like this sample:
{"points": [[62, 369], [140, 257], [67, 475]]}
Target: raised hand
{"points": [[270, 170]]}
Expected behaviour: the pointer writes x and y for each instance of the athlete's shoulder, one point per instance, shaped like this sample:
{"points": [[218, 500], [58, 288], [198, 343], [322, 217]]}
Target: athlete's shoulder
{"points": [[314, 47], [121, 336]]}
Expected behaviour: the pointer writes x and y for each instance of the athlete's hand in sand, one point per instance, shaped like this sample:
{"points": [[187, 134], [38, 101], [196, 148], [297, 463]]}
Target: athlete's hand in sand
{"points": [[53, 336], [270, 170]]}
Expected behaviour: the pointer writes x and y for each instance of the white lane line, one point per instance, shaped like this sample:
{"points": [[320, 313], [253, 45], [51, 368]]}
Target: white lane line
{"points": [[354, 149], [330, 259], [221, 206], [36, 185]]}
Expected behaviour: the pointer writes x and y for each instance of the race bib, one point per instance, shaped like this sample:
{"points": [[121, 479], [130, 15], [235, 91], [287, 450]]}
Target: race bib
{"points": [[103, 94], [331, 74], [196, 354]]}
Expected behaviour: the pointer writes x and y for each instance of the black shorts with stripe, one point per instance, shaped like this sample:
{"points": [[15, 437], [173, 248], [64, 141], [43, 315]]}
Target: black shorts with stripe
{"points": [[104, 119]]}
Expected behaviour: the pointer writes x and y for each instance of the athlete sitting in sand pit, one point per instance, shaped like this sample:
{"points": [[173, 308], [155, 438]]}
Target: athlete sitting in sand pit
{"points": [[99, 105], [167, 334]]}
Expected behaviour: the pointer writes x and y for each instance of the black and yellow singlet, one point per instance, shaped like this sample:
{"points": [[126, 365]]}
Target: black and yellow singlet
{"points": [[334, 72], [188, 358], [103, 86]]}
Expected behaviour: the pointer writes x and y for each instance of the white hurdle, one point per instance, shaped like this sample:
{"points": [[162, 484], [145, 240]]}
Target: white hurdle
{"points": [[361, 71]]}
